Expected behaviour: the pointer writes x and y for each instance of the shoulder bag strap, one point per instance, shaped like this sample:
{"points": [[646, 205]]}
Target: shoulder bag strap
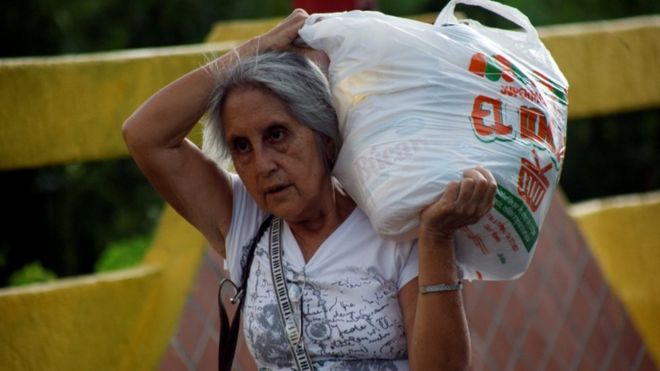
{"points": [[293, 333], [229, 334]]}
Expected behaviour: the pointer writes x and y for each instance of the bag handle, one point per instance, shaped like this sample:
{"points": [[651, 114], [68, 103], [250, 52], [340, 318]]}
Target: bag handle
{"points": [[512, 14]]}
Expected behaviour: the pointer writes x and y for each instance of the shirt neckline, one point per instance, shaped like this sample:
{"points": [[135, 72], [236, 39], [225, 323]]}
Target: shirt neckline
{"points": [[292, 253]]}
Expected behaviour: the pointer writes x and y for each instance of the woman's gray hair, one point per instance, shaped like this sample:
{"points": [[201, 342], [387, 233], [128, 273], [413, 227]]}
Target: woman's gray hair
{"points": [[294, 79]]}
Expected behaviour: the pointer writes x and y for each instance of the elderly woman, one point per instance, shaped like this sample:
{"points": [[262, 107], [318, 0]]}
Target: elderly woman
{"points": [[359, 302]]}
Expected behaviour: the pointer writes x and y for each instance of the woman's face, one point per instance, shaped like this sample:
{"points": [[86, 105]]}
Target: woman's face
{"points": [[276, 156]]}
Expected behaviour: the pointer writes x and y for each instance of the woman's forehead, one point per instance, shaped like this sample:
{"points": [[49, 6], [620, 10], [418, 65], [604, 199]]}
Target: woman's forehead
{"points": [[249, 92], [249, 108]]}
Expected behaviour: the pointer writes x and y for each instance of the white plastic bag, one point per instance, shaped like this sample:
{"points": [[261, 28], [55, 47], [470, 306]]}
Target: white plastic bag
{"points": [[420, 103]]}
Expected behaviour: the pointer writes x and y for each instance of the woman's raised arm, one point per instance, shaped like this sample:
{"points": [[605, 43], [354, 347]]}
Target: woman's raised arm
{"points": [[156, 138]]}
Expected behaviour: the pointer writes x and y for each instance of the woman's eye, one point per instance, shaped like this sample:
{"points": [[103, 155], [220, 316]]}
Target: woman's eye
{"points": [[277, 134], [241, 145]]}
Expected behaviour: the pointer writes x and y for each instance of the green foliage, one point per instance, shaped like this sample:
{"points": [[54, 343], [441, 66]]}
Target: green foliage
{"points": [[123, 254], [45, 27], [400, 8], [31, 273]]}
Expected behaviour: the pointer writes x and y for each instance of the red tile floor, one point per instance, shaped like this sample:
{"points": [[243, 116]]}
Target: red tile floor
{"points": [[560, 315]]}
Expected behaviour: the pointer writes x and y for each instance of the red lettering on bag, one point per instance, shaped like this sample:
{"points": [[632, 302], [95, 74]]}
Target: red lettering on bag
{"points": [[520, 92], [476, 240], [488, 120], [533, 125], [497, 66], [480, 111]]}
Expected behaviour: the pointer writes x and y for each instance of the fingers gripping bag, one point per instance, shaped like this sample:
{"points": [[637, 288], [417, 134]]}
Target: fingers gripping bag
{"points": [[420, 103]]}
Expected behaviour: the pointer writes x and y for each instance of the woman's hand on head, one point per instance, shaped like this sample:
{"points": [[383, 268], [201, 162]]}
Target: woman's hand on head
{"points": [[284, 37], [462, 203]]}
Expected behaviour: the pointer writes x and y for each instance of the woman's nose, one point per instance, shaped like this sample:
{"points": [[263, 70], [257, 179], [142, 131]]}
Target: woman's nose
{"points": [[264, 161]]}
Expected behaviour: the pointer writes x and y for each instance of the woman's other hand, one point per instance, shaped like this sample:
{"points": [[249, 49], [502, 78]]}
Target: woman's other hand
{"points": [[462, 203], [436, 326]]}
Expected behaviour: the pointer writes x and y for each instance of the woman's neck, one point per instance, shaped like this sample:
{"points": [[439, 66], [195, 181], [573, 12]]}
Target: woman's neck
{"points": [[311, 232]]}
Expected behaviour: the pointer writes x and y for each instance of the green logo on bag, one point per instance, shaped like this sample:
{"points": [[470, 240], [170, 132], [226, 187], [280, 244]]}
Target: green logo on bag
{"points": [[497, 67], [513, 209]]}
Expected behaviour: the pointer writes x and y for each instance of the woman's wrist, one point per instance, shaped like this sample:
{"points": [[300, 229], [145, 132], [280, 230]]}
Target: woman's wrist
{"points": [[256, 45], [435, 235], [250, 48], [437, 263], [233, 57]]}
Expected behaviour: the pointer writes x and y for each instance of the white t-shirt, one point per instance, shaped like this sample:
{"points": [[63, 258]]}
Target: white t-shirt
{"points": [[347, 293]]}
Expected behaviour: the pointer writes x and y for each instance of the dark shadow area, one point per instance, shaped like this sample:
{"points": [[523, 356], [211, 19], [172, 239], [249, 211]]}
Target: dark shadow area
{"points": [[612, 155], [65, 216]]}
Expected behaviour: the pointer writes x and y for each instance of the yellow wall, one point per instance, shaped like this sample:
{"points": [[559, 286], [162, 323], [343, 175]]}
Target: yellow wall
{"points": [[114, 321], [75, 324], [611, 66], [65, 109], [624, 235], [240, 30]]}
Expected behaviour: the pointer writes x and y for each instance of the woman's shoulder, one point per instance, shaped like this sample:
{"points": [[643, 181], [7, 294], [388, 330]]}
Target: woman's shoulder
{"points": [[357, 242], [392, 258], [360, 225]]}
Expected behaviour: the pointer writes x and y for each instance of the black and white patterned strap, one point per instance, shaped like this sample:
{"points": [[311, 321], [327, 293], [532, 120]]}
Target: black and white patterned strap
{"points": [[293, 333]]}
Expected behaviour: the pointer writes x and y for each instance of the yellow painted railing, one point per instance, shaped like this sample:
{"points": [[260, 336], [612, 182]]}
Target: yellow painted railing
{"points": [[624, 233], [65, 109], [58, 110]]}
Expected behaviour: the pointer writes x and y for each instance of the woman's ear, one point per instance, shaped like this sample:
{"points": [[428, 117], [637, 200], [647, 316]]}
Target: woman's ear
{"points": [[330, 151]]}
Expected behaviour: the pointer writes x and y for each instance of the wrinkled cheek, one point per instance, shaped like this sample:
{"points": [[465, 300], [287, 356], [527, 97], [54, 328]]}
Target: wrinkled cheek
{"points": [[261, 201], [254, 191]]}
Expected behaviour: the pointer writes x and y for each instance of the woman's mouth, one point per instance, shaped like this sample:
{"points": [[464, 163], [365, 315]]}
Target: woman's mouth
{"points": [[277, 189]]}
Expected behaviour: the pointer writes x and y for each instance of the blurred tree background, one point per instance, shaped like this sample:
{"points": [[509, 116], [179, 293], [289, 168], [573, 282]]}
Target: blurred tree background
{"points": [[80, 218]]}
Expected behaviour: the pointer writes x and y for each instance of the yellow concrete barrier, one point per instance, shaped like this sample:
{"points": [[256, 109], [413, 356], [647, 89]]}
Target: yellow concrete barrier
{"points": [[611, 66], [240, 29], [624, 236], [82, 323], [177, 248], [64, 109], [113, 321]]}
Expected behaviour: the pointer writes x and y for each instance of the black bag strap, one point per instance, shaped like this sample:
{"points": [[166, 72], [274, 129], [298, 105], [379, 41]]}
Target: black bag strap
{"points": [[229, 334]]}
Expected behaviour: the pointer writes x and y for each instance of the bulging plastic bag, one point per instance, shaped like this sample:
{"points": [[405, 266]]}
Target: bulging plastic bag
{"points": [[420, 103]]}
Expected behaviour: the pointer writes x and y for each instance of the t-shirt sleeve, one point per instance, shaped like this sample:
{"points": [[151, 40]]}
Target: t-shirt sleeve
{"points": [[246, 218], [410, 267]]}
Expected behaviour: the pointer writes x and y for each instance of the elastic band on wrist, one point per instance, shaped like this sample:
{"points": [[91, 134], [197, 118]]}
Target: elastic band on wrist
{"points": [[440, 288]]}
